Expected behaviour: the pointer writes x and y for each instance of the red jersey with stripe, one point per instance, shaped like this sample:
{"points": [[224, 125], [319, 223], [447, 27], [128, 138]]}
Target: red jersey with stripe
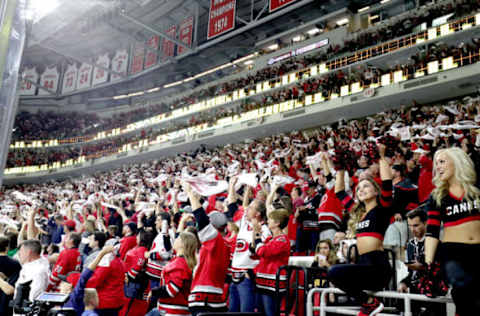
{"points": [[212, 267], [68, 261], [177, 278], [452, 211], [376, 221], [273, 253]]}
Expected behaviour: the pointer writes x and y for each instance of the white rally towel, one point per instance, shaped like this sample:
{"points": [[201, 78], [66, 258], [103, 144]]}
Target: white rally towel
{"points": [[315, 159], [282, 180], [249, 179], [206, 185]]}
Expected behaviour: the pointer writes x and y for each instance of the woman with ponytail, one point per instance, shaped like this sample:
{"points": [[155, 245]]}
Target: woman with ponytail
{"points": [[177, 277]]}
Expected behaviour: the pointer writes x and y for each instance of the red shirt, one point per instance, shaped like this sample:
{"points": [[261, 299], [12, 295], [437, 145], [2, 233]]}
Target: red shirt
{"points": [[126, 243], [109, 282]]}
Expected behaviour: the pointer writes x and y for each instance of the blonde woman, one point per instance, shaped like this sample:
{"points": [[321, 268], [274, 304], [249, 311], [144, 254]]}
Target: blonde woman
{"points": [[177, 277], [455, 202], [370, 218]]}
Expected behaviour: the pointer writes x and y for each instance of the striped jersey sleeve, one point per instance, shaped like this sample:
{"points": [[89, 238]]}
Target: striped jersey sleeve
{"points": [[433, 219], [386, 196], [346, 200]]}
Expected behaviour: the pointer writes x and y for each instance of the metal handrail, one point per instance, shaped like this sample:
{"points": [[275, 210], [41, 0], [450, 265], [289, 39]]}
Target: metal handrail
{"points": [[406, 297]]}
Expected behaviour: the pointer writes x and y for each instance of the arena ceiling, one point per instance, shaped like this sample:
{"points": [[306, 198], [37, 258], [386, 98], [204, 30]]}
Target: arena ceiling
{"points": [[81, 30]]}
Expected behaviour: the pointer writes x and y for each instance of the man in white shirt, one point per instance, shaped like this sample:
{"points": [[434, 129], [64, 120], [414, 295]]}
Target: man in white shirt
{"points": [[34, 268]]}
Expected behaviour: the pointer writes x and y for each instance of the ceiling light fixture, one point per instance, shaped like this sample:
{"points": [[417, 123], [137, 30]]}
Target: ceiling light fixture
{"points": [[342, 21], [273, 47], [364, 9], [313, 31]]}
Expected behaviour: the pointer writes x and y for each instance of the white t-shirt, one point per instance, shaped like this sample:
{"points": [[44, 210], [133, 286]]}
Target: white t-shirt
{"points": [[36, 271]]}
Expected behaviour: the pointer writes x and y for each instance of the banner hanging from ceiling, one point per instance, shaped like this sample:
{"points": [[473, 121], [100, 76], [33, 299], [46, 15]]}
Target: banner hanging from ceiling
{"points": [[99, 74], [119, 64], [151, 55], [49, 80], [168, 47], [277, 4], [26, 87], [84, 76], [185, 34], [69, 79], [138, 52], [221, 17]]}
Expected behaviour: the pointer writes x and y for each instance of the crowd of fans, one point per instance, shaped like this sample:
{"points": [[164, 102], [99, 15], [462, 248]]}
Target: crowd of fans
{"points": [[327, 85], [212, 210], [48, 125]]}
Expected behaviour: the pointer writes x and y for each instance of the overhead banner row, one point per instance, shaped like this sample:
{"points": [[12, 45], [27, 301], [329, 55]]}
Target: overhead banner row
{"points": [[223, 14], [107, 67], [140, 55]]}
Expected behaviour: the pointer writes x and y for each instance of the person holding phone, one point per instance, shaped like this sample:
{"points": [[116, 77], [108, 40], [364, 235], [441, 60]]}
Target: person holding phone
{"points": [[415, 261], [325, 255]]}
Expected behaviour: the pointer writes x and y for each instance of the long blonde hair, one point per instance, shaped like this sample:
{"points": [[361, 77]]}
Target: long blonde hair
{"points": [[190, 246], [464, 173], [358, 210]]}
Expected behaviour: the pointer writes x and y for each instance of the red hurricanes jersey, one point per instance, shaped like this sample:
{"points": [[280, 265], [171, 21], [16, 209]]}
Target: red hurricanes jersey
{"points": [[209, 276], [177, 278], [273, 253]]}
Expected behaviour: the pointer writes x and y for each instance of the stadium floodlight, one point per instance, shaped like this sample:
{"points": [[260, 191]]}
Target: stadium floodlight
{"points": [[384, 1], [38, 9], [342, 21]]}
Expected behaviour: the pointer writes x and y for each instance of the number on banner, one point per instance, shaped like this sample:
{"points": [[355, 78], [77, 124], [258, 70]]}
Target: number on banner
{"points": [[48, 84]]}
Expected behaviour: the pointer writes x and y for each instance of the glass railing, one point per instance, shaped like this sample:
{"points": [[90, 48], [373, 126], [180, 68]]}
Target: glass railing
{"points": [[387, 79], [263, 87]]}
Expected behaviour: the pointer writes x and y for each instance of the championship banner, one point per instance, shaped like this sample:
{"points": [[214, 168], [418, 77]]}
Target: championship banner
{"points": [[185, 34], [168, 47], [84, 76], [49, 80], [151, 56], [69, 79], [221, 17], [27, 88], [100, 75], [138, 52], [119, 64], [277, 4]]}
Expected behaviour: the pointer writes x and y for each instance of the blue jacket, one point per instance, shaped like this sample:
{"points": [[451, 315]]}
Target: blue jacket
{"points": [[76, 297], [55, 231]]}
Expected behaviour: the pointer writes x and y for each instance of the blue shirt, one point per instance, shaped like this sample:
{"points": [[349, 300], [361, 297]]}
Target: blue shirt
{"points": [[89, 313], [56, 231], [76, 297]]}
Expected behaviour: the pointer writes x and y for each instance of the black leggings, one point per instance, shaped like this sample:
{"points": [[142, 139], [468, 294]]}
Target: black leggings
{"points": [[372, 272], [460, 265]]}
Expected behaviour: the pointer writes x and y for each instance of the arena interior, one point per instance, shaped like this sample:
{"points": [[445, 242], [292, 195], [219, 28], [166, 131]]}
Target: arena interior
{"points": [[240, 157]]}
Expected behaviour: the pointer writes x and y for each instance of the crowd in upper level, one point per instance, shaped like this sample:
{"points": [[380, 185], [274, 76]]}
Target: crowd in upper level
{"points": [[292, 187], [48, 125], [328, 85]]}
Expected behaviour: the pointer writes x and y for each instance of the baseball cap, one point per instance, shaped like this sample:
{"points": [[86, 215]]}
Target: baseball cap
{"points": [[217, 219]]}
